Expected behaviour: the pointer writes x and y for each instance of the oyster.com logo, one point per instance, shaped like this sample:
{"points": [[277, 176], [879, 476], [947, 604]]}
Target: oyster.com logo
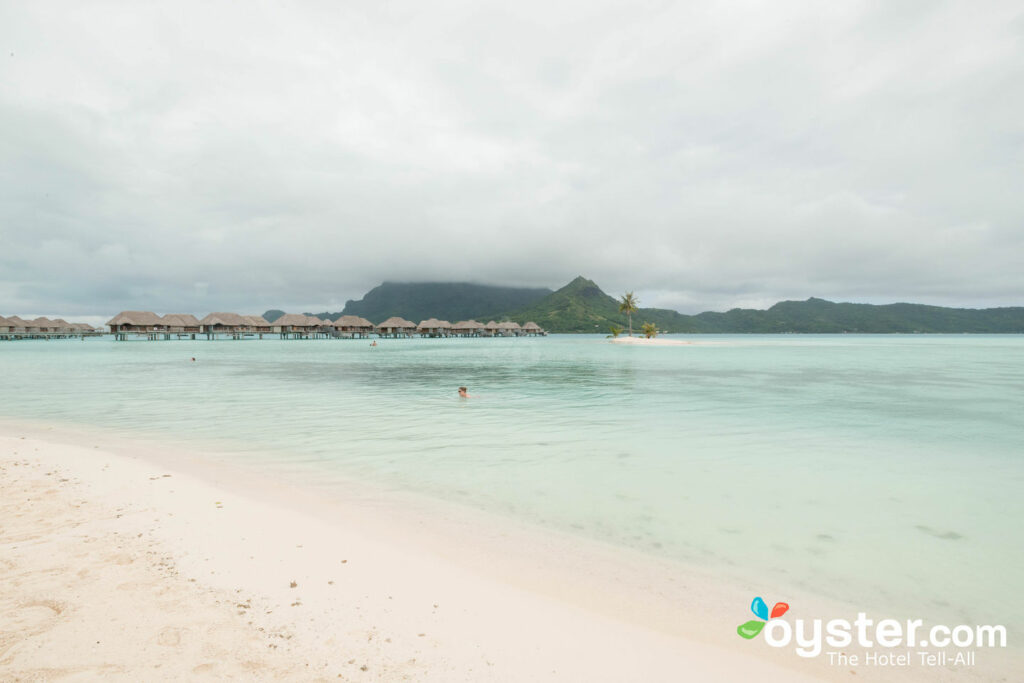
{"points": [[760, 610]]}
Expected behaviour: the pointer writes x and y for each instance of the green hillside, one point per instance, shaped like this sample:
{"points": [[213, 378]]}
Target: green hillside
{"points": [[272, 315], [581, 306], [821, 316], [452, 301]]}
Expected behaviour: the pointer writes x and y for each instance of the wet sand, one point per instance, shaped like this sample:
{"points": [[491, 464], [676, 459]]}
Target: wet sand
{"points": [[122, 567]]}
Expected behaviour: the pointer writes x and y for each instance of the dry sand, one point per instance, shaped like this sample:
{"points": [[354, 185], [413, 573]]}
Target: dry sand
{"points": [[123, 568]]}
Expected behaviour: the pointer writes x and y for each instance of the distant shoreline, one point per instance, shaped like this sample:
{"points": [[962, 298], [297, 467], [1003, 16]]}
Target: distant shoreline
{"points": [[653, 341]]}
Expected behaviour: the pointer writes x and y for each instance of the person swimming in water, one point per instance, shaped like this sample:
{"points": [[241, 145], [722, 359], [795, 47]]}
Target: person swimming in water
{"points": [[463, 394]]}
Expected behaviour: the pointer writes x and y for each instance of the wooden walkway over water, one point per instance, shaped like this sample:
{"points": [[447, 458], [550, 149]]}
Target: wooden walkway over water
{"points": [[152, 327]]}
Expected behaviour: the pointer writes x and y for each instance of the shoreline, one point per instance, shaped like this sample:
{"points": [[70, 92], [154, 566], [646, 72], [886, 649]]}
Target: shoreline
{"points": [[653, 341], [507, 589]]}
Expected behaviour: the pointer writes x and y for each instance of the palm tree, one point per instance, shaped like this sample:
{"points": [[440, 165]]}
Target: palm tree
{"points": [[628, 304], [650, 330], [616, 331]]}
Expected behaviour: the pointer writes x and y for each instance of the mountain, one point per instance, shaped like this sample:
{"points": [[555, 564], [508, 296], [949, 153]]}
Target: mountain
{"points": [[581, 306], [452, 301], [272, 315], [821, 316]]}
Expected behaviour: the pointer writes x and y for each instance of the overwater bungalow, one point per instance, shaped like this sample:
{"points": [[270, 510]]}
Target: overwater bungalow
{"points": [[509, 329], [396, 327], [60, 327], [532, 329], [432, 327], [40, 326], [182, 324], [467, 328], [491, 329], [137, 322], [351, 326], [293, 326], [18, 327], [223, 323], [258, 325], [321, 327]]}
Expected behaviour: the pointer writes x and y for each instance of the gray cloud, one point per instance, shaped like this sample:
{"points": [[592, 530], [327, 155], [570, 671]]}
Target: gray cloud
{"points": [[207, 156]]}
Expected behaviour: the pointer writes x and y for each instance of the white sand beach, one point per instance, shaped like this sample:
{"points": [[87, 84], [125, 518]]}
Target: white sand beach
{"points": [[117, 565], [654, 341]]}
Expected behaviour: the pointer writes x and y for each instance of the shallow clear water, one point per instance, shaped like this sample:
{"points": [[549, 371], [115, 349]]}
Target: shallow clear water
{"points": [[887, 471]]}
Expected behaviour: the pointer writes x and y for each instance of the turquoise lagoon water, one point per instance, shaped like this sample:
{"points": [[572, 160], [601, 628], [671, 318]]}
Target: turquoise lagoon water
{"points": [[886, 471]]}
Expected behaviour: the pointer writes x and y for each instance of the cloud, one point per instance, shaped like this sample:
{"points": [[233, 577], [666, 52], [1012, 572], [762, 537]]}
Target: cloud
{"points": [[198, 156]]}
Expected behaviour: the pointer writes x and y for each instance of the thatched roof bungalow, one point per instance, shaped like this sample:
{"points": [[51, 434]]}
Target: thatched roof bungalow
{"points": [[491, 329], [17, 325], [509, 329], [40, 325], [533, 329], [293, 324], [353, 326], [396, 327], [467, 328], [138, 322], [60, 326], [223, 323], [432, 327], [258, 324], [181, 323]]}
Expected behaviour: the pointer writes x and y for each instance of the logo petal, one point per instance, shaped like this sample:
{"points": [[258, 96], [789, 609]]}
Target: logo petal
{"points": [[759, 609], [750, 629], [779, 609]]}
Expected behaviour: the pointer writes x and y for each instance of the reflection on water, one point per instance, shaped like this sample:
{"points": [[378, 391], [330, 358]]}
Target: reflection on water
{"points": [[880, 469]]}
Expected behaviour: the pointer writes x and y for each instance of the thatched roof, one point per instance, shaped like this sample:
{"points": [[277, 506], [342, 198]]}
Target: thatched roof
{"points": [[181, 320], [491, 325], [352, 321], [531, 326], [433, 324], [467, 325], [508, 326], [136, 318], [227, 319], [317, 322], [4, 322], [396, 322], [41, 322], [256, 320], [292, 320]]}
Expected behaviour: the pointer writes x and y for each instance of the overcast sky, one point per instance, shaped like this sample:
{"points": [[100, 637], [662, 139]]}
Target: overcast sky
{"points": [[240, 156]]}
